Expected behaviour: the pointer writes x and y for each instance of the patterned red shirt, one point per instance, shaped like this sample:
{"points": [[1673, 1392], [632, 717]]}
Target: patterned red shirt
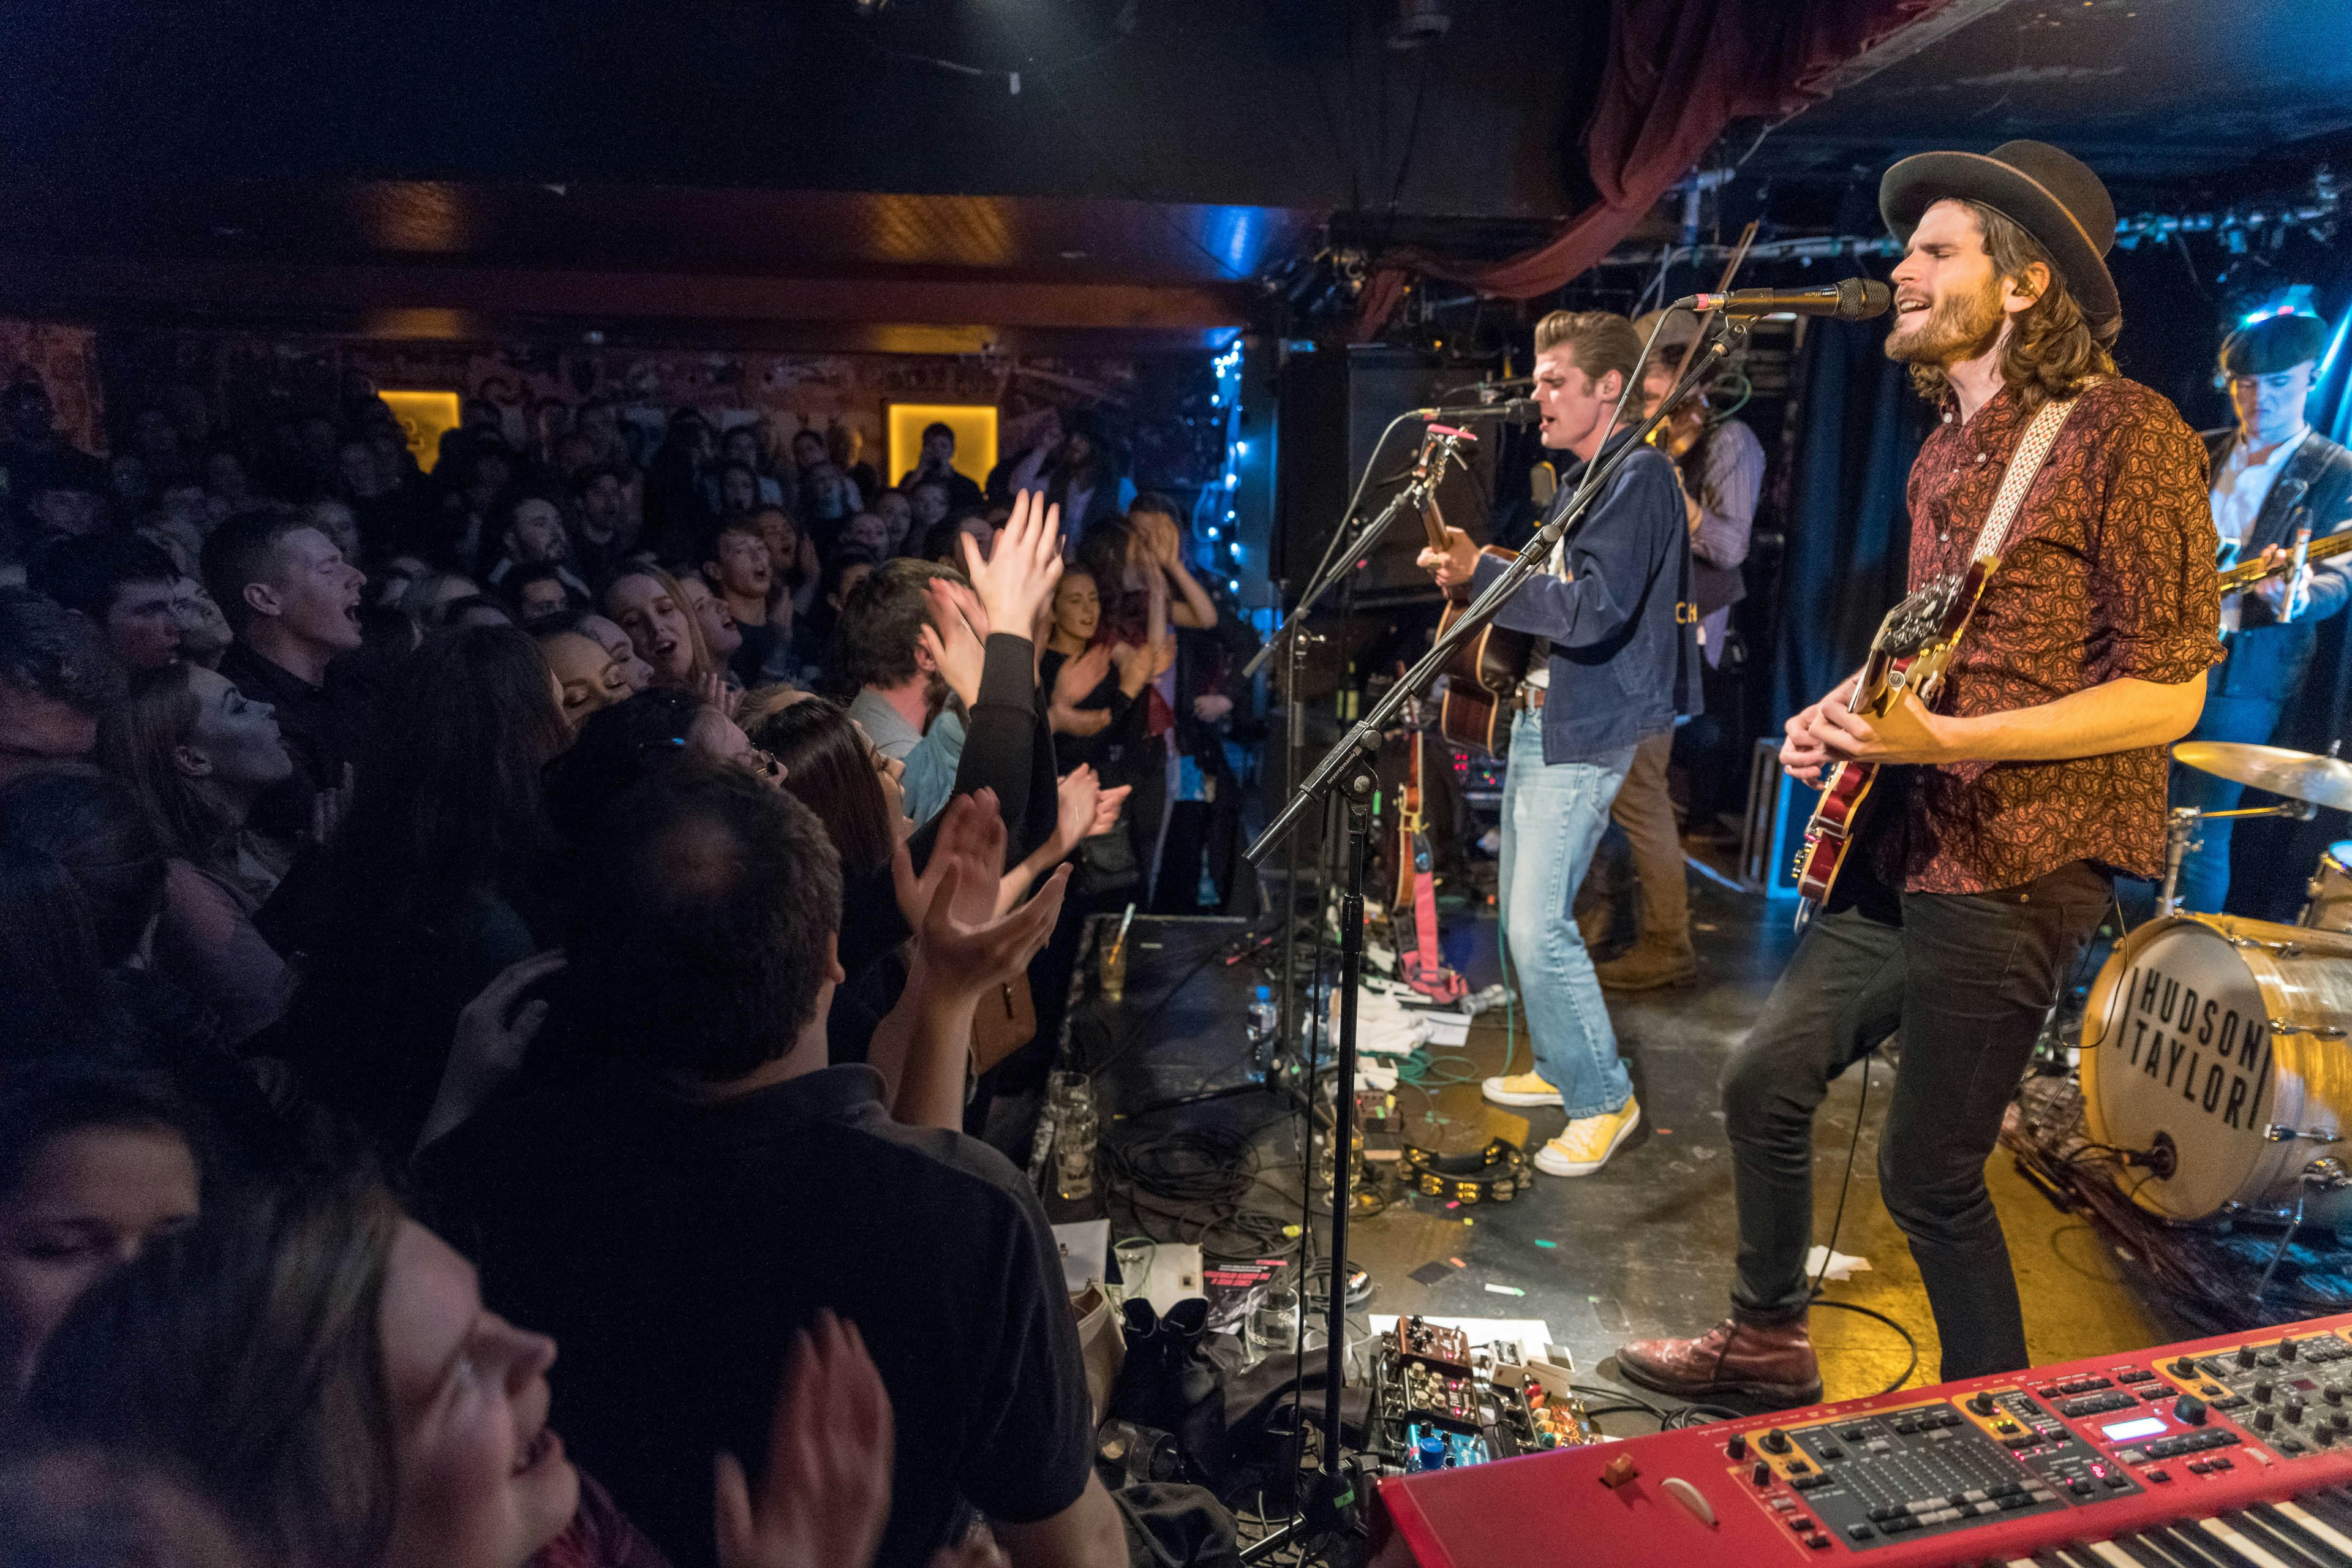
{"points": [[2108, 572]]}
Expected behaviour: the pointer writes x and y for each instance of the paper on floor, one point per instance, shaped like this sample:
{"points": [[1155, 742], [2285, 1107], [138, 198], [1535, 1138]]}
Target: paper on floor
{"points": [[1840, 1266]]}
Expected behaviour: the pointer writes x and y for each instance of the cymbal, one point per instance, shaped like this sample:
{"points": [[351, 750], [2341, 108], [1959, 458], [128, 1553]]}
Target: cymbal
{"points": [[2298, 775]]}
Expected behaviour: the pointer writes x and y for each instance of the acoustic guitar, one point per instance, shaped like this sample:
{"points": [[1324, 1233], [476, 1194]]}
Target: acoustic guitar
{"points": [[1482, 675]]}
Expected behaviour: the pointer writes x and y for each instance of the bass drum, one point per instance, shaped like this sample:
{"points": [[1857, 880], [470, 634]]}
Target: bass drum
{"points": [[2224, 1038], [2329, 891]]}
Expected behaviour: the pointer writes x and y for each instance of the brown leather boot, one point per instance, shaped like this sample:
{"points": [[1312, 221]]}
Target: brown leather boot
{"points": [[1770, 1363], [1650, 963]]}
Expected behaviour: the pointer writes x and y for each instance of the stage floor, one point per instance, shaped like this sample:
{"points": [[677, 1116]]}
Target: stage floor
{"points": [[1645, 1247]]}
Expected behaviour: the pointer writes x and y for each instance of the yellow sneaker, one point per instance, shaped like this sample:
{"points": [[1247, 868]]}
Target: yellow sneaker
{"points": [[1589, 1141], [1519, 1088]]}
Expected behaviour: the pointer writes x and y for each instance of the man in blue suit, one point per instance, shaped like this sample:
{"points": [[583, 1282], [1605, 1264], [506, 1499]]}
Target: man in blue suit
{"points": [[2273, 476]]}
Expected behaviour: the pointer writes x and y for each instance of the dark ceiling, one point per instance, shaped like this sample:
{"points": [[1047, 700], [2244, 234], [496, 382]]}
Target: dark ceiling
{"points": [[2160, 95], [702, 170]]}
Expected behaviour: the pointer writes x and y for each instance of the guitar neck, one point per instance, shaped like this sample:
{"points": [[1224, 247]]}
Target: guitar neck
{"points": [[2238, 578]]}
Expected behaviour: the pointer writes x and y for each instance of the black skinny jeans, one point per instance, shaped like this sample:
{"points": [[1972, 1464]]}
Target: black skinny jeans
{"points": [[1967, 980]]}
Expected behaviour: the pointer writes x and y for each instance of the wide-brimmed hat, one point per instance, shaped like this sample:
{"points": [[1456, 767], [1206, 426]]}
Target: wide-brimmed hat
{"points": [[1681, 326], [2045, 191], [2274, 343]]}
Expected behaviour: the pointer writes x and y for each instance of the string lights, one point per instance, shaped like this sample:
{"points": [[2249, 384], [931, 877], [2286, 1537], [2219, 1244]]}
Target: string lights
{"points": [[1214, 513]]}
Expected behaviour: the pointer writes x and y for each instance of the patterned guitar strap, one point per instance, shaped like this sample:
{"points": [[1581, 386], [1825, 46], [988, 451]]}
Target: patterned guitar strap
{"points": [[2032, 448]]}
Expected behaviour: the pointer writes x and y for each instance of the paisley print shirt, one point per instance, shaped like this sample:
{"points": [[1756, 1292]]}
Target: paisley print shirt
{"points": [[2108, 572]]}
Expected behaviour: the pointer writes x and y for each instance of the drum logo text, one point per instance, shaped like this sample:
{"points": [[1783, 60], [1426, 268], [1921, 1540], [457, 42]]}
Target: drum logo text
{"points": [[2198, 1045]]}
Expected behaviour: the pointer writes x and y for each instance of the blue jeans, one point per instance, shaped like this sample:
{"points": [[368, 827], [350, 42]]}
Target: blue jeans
{"points": [[2205, 869], [1553, 815]]}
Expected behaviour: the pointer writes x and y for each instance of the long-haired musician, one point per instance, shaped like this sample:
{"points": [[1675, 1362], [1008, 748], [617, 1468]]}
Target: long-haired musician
{"points": [[1987, 864]]}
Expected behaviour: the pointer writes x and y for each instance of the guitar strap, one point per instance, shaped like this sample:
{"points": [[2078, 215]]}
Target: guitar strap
{"points": [[2032, 448]]}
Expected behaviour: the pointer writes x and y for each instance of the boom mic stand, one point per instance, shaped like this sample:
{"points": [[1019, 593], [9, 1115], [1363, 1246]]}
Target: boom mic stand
{"points": [[1348, 773]]}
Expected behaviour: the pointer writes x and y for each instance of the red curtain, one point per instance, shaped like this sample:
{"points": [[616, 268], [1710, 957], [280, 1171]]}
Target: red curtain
{"points": [[1679, 72]]}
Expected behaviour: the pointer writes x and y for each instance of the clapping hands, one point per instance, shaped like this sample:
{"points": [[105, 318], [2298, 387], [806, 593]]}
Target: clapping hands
{"points": [[1015, 578], [825, 1497]]}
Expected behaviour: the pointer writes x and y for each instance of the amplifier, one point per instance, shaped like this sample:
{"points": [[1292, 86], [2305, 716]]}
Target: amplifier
{"points": [[2229, 1452]]}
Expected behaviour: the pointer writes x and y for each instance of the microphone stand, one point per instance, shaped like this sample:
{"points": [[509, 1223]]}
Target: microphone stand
{"points": [[1348, 772]]}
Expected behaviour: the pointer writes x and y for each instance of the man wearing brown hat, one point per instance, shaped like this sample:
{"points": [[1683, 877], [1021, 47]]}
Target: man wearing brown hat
{"points": [[2274, 477], [2040, 772]]}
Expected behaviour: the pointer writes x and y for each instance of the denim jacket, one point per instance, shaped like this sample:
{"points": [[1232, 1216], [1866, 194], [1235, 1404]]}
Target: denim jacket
{"points": [[1624, 640]]}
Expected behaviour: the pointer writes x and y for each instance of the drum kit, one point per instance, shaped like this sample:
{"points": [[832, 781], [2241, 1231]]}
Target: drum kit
{"points": [[2215, 1056]]}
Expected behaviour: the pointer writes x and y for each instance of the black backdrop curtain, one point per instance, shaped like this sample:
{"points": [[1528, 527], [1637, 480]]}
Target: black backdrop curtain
{"points": [[1849, 533]]}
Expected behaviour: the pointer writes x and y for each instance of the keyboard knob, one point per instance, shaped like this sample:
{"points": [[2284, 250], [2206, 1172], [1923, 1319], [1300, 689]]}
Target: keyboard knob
{"points": [[1982, 1402], [2293, 1409], [1763, 1475], [2288, 1350], [2245, 1355], [1738, 1447], [2185, 1367], [2264, 1420], [2189, 1408], [1775, 1441], [2263, 1389], [2333, 1393]]}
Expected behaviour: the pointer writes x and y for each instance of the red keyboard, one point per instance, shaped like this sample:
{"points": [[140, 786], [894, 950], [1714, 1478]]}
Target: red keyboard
{"points": [[2223, 1453]]}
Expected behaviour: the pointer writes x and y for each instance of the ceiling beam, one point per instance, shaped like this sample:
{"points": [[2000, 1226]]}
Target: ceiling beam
{"points": [[450, 301]]}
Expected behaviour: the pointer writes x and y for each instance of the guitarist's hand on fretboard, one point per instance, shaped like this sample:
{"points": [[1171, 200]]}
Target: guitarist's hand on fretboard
{"points": [[1456, 564]]}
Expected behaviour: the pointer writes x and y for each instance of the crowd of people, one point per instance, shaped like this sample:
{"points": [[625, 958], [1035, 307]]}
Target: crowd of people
{"points": [[566, 897]]}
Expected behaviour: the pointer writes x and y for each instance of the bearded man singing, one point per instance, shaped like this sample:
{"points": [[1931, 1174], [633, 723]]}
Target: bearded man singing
{"points": [[1986, 865]]}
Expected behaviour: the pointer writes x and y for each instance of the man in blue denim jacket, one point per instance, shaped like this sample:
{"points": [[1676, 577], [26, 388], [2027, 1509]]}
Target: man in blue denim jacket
{"points": [[1620, 665]]}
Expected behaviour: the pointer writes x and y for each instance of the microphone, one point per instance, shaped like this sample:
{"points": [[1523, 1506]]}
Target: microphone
{"points": [[1511, 411], [1850, 299]]}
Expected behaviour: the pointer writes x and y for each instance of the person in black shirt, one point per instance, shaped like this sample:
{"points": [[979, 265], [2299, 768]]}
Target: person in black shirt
{"points": [[293, 603], [674, 1217], [937, 465], [736, 566]]}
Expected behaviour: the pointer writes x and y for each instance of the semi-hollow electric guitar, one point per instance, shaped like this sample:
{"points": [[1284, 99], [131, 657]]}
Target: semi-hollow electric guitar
{"points": [[1909, 656], [1913, 648]]}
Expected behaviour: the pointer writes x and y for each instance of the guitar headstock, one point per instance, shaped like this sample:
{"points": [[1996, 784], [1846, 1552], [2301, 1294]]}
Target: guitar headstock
{"points": [[1911, 625]]}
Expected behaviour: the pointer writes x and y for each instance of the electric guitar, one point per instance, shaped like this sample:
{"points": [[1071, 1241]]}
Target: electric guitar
{"points": [[1910, 655], [1413, 909], [1912, 650], [1484, 673]]}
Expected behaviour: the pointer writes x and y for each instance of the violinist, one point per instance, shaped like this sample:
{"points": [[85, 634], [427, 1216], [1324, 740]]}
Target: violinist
{"points": [[1721, 464]]}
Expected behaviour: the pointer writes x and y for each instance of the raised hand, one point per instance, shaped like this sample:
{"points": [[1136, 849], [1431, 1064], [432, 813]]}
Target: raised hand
{"points": [[488, 1045], [971, 831], [948, 635], [966, 949], [825, 1495], [329, 807], [1017, 575], [1074, 800], [1079, 676]]}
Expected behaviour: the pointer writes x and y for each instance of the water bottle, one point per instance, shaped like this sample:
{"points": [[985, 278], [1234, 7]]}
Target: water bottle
{"points": [[1263, 1019]]}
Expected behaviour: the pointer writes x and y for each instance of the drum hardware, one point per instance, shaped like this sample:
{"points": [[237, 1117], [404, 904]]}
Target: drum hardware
{"points": [[2277, 1133], [2316, 1031], [2324, 1174], [2283, 949], [2180, 827]]}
